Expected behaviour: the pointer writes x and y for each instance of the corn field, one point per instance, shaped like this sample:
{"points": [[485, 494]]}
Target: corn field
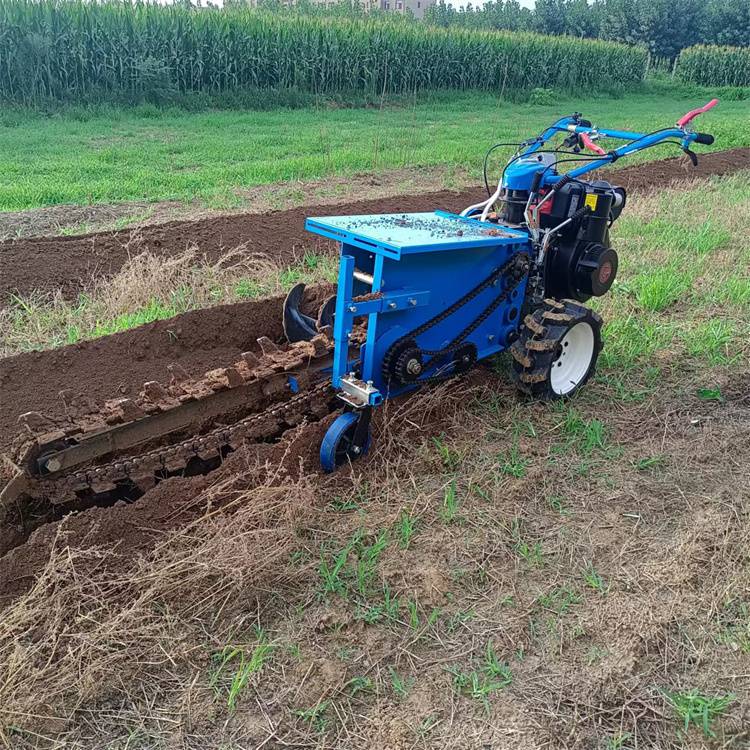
{"points": [[715, 66], [76, 51]]}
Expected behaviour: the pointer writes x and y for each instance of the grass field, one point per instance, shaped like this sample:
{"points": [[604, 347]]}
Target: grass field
{"points": [[146, 154], [682, 235], [502, 573]]}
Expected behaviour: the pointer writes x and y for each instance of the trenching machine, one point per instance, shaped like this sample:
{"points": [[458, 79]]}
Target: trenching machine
{"points": [[442, 291], [421, 297]]}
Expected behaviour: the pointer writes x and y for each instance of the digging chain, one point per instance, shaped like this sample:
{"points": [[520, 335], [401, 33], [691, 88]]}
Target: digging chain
{"points": [[210, 443]]}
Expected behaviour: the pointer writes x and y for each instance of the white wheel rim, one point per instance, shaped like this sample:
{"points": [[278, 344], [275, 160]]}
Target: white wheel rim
{"points": [[574, 361]]}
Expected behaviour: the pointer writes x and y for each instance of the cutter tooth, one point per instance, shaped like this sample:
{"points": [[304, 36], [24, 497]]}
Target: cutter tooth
{"points": [[35, 422], [267, 346], [320, 345], [250, 359], [178, 374], [223, 378], [103, 485], [155, 396], [154, 390], [175, 465], [122, 410]]}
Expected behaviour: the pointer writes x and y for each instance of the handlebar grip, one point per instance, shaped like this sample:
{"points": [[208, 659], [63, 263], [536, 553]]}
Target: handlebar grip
{"points": [[591, 146], [535, 182], [685, 119], [562, 182], [704, 138]]}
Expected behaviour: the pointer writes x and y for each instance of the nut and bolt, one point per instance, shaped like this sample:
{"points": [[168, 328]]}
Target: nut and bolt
{"points": [[412, 302], [392, 305], [352, 308], [414, 367]]}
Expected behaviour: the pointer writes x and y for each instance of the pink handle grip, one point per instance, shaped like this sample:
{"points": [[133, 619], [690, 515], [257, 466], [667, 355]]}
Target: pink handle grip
{"points": [[685, 119], [591, 146]]}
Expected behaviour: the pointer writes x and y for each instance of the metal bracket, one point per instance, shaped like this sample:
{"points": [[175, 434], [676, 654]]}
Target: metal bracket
{"points": [[389, 303], [359, 394]]}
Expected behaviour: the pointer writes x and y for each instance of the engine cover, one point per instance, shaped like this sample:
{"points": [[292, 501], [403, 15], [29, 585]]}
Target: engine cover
{"points": [[580, 271]]}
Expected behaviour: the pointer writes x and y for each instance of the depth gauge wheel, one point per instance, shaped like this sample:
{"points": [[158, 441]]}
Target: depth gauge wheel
{"points": [[344, 442], [557, 349]]}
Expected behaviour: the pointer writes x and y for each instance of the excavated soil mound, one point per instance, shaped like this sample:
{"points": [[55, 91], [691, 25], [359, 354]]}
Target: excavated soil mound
{"points": [[198, 341], [50, 263], [119, 364]]}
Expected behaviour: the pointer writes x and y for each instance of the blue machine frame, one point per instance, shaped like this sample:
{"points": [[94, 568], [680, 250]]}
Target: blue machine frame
{"points": [[402, 270], [410, 267]]}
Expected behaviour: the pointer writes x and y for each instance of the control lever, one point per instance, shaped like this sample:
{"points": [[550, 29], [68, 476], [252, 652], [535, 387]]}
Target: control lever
{"points": [[693, 156], [591, 146]]}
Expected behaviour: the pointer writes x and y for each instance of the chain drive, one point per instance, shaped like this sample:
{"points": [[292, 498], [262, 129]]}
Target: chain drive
{"points": [[518, 265]]}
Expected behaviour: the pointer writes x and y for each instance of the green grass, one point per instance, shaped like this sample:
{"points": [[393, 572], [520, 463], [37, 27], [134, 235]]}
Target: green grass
{"points": [[236, 666], [479, 684], [400, 685], [110, 155], [693, 707], [406, 527], [146, 290], [675, 252]]}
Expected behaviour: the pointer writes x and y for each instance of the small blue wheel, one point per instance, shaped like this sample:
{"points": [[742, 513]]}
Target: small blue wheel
{"points": [[338, 446]]}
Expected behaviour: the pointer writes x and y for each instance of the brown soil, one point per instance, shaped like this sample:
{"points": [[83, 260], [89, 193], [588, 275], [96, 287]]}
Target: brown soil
{"points": [[103, 217], [665, 540], [121, 363], [198, 341], [67, 263]]}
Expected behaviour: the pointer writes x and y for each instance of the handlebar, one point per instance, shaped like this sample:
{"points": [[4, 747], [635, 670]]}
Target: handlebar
{"points": [[585, 133], [706, 139], [685, 119], [590, 145]]}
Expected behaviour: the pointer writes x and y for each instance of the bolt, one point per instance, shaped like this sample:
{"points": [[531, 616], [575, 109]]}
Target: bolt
{"points": [[369, 382], [414, 367], [352, 308], [412, 302], [53, 464], [392, 305], [356, 450], [491, 337]]}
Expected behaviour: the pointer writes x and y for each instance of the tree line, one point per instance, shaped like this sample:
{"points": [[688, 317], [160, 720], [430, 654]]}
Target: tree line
{"points": [[664, 26]]}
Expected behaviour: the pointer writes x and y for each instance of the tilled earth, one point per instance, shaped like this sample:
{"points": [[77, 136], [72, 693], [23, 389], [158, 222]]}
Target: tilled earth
{"points": [[67, 263], [199, 341]]}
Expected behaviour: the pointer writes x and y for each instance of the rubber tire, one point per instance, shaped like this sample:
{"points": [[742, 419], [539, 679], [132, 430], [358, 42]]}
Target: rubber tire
{"points": [[334, 451], [539, 343]]}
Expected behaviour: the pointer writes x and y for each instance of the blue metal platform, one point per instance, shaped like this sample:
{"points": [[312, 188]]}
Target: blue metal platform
{"points": [[401, 270], [394, 235]]}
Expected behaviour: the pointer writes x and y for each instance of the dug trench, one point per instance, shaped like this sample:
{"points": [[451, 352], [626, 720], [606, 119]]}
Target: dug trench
{"points": [[67, 263], [197, 341]]}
